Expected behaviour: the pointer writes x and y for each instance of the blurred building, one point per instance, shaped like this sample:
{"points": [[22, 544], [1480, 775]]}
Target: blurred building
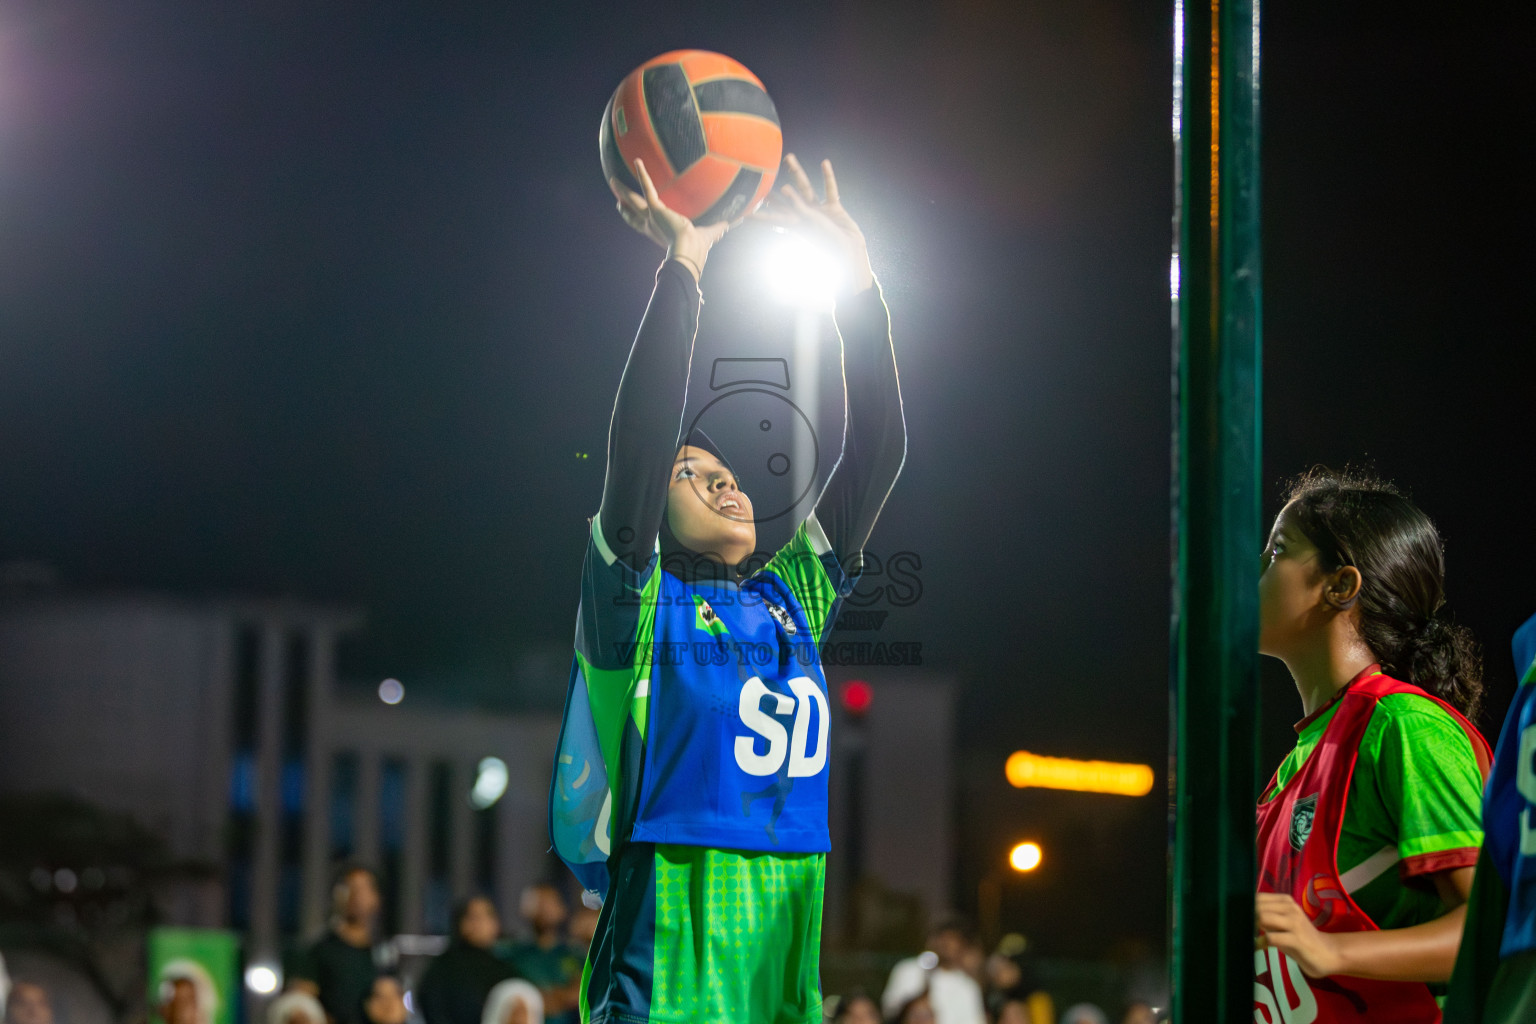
{"points": [[220, 725], [892, 801]]}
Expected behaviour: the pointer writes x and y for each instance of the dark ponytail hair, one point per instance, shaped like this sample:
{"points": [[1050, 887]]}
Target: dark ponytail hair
{"points": [[1355, 518]]}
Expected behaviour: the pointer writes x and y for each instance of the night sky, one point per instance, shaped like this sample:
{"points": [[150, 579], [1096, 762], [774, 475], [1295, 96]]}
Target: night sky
{"points": [[325, 300]]}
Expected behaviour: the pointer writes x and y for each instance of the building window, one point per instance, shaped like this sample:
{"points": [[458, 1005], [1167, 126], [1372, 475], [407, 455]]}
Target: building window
{"points": [[485, 850], [343, 805], [240, 835], [295, 748], [438, 901], [392, 811]]}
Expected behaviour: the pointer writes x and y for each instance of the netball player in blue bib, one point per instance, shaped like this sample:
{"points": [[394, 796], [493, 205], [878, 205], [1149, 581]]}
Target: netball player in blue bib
{"points": [[690, 788]]}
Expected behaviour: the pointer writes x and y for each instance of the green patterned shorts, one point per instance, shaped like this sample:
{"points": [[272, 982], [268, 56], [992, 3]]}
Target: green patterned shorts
{"points": [[690, 934]]}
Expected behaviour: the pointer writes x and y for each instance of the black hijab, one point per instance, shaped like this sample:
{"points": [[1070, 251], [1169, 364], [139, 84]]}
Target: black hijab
{"points": [[676, 557]]}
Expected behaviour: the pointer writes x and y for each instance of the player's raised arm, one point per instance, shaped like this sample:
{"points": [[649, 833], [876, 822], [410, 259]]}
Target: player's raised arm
{"points": [[875, 433], [642, 436]]}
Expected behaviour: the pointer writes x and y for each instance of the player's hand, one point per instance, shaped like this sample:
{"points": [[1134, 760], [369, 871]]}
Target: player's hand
{"points": [[684, 240], [1283, 925], [822, 219]]}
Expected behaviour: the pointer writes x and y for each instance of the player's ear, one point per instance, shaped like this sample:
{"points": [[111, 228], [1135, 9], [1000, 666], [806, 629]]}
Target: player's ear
{"points": [[1342, 588]]}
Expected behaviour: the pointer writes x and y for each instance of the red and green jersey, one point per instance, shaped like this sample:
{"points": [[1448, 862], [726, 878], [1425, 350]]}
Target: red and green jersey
{"points": [[1414, 806]]}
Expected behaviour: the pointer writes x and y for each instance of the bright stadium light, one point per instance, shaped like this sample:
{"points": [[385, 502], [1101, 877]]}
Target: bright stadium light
{"points": [[261, 979], [1025, 769], [1024, 857], [490, 782], [800, 273], [391, 691]]}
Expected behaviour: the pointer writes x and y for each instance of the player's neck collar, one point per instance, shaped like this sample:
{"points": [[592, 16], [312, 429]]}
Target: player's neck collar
{"points": [[696, 570], [690, 566]]}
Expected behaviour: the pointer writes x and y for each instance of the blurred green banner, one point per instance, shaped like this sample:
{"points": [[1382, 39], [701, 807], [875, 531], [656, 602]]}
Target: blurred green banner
{"points": [[208, 958]]}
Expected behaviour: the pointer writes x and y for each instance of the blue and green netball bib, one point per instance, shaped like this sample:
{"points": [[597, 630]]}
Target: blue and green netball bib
{"points": [[697, 712]]}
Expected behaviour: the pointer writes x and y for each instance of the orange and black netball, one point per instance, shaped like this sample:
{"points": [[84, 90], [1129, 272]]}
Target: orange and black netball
{"points": [[706, 129]]}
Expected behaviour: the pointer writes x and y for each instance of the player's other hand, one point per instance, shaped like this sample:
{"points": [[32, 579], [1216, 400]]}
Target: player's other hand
{"points": [[1282, 924], [822, 219], [684, 240]]}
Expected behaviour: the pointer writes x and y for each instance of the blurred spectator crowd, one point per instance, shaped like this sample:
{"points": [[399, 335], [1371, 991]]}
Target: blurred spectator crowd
{"points": [[348, 976], [957, 981], [479, 978]]}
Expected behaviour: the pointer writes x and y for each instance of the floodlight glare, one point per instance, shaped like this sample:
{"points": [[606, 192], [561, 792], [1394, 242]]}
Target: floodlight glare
{"points": [[261, 979], [800, 273], [490, 782]]}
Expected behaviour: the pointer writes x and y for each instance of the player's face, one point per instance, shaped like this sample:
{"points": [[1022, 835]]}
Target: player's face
{"points": [[549, 911], [1292, 608], [861, 1011], [1014, 1012], [517, 1011], [706, 510], [1002, 972], [583, 927], [480, 925], [181, 1007], [386, 1003], [949, 945], [29, 1004], [360, 898]]}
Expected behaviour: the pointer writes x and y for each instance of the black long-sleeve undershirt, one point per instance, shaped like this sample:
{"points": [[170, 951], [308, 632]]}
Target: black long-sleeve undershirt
{"points": [[647, 418], [874, 428]]}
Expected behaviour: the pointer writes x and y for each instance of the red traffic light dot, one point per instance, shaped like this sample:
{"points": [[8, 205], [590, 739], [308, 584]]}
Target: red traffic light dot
{"points": [[857, 696]]}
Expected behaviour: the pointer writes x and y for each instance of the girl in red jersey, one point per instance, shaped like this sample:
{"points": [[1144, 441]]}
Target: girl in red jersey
{"points": [[1370, 829]]}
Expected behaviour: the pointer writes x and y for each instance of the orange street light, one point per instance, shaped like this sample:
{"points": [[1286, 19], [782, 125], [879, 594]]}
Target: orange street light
{"points": [[1025, 769], [1024, 857]]}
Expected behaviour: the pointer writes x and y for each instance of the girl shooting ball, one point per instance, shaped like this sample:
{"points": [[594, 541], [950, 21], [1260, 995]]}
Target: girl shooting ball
{"points": [[1370, 829], [690, 790]]}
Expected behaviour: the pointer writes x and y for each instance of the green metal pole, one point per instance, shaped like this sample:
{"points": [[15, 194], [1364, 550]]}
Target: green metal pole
{"points": [[1216, 529]]}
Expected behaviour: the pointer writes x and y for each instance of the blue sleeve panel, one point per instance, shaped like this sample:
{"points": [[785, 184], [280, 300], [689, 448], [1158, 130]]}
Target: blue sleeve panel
{"points": [[1509, 808]]}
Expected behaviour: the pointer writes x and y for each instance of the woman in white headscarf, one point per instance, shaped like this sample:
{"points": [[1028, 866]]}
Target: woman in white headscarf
{"points": [[513, 1002], [295, 1008]]}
